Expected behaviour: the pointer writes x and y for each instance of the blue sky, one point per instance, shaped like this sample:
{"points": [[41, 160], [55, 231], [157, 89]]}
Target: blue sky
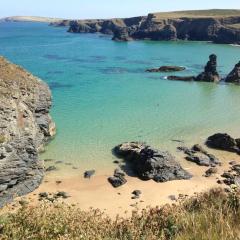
{"points": [[104, 8]]}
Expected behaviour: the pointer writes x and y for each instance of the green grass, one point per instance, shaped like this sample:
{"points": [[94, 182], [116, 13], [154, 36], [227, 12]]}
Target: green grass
{"points": [[214, 215], [199, 13]]}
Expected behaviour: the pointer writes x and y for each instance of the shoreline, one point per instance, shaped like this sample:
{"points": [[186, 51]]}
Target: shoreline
{"points": [[97, 193]]}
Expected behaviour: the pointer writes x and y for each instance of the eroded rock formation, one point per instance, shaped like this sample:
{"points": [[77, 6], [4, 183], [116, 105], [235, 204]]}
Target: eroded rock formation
{"points": [[210, 73], [149, 163], [234, 75], [25, 126]]}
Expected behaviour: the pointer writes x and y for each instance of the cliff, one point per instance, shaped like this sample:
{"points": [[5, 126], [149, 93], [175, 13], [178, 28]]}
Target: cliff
{"points": [[25, 126], [219, 26]]}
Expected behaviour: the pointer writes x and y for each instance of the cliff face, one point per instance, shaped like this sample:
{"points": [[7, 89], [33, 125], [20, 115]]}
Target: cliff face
{"points": [[25, 126], [221, 27]]}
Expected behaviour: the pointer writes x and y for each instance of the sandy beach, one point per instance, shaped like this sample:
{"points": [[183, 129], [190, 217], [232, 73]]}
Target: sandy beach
{"points": [[97, 193]]}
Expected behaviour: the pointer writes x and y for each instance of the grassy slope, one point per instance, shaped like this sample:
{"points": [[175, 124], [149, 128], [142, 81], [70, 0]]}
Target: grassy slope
{"points": [[30, 19], [216, 13], [214, 215]]}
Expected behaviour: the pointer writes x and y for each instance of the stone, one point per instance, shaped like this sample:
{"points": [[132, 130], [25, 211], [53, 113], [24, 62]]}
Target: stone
{"points": [[121, 34], [222, 141], [149, 163], [211, 171], [137, 192], [210, 73], [181, 78], [117, 181], [51, 168], [89, 174], [234, 75], [43, 195], [166, 69], [62, 195]]}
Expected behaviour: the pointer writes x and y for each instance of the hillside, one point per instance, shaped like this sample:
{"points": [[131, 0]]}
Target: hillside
{"points": [[30, 19]]}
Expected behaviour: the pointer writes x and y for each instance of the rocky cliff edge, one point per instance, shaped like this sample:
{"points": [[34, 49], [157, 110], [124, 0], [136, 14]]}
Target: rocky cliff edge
{"points": [[25, 127]]}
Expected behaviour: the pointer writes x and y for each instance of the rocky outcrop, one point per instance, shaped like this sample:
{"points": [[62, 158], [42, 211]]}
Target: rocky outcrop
{"points": [[234, 75], [121, 34], [181, 78], [210, 73], [223, 141], [166, 69], [148, 163], [25, 126], [208, 25], [200, 156]]}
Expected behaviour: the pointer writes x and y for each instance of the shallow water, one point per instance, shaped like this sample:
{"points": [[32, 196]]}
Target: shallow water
{"points": [[103, 97]]}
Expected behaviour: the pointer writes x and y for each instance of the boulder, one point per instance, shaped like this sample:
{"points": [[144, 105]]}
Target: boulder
{"points": [[210, 73], [149, 163], [234, 75], [166, 69], [222, 141], [89, 174], [181, 78]]}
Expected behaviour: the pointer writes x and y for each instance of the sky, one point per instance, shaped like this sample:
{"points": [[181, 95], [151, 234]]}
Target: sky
{"points": [[82, 9]]}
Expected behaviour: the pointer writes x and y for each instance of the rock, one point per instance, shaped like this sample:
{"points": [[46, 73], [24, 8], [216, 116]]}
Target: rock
{"points": [[51, 168], [172, 197], [232, 163], [118, 172], [234, 75], [89, 174], [166, 69], [121, 34], [62, 194], [211, 171], [210, 73], [222, 141], [236, 168], [117, 181], [148, 163], [25, 127], [43, 195], [200, 160], [159, 27], [181, 78], [137, 192], [199, 148]]}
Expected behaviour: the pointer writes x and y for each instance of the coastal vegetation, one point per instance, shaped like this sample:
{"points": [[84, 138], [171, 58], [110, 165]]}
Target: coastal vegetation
{"points": [[213, 215]]}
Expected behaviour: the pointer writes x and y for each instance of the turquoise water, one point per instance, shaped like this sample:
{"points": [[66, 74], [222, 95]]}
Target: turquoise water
{"points": [[102, 96]]}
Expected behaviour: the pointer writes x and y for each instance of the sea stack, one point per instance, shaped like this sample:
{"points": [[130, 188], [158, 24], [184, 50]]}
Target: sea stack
{"points": [[25, 127], [234, 75], [210, 73]]}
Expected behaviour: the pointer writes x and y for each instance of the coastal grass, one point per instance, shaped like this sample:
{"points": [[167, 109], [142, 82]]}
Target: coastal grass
{"points": [[213, 215], [215, 13]]}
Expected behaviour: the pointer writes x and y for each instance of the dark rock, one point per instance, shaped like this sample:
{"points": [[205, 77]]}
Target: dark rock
{"points": [[121, 34], [62, 194], [166, 69], [51, 168], [89, 174], [118, 172], [234, 75], [232, 163], [43, 195], [148, 163], [222, 141], [211, 171], [181, 78], [210, 73], [236, 168], [117, 181], [137, 192], [200, 160], [172, 197], [199, 148]]}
